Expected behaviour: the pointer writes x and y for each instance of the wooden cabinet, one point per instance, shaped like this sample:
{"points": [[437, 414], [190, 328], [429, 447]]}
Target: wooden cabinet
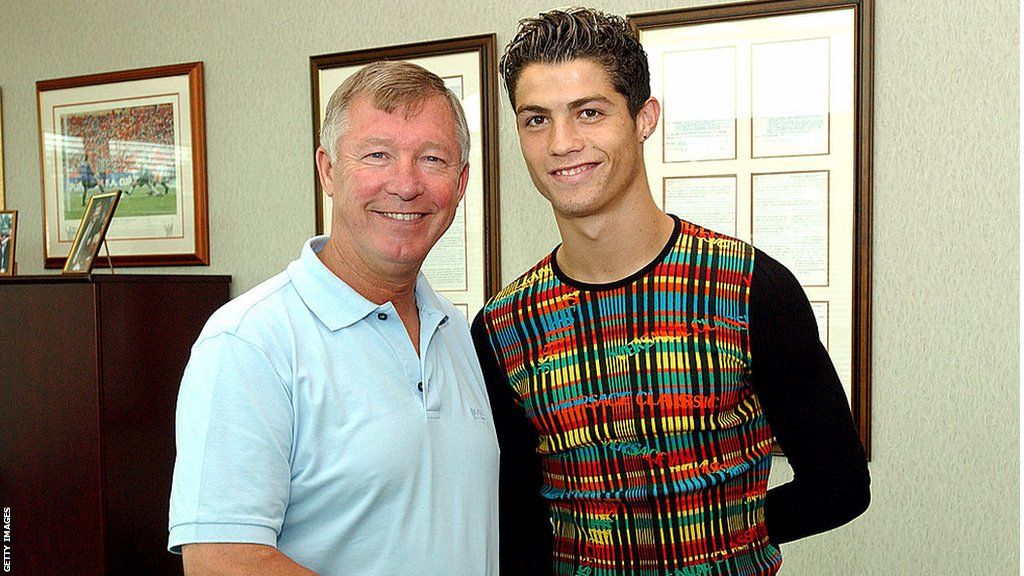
{"points": [[89, 376]]}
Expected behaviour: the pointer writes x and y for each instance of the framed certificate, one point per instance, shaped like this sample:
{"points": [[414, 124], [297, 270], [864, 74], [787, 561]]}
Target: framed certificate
{"points": [[141, 132], [766, 136], [465, 263]]}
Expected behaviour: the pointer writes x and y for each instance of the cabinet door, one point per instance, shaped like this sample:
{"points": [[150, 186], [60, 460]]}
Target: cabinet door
{"points": [[50, 440]]}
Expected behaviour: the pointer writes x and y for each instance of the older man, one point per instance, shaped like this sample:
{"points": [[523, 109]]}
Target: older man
{"points": [[333, 419]]}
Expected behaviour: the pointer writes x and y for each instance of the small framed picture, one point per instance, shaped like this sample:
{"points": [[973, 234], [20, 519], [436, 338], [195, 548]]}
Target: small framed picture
{"points": [[8, 233], [91, 232]]}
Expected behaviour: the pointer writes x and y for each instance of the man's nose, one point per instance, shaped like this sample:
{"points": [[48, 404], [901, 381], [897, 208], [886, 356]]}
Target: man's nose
{"points": [[564, 138], [405, 181]]}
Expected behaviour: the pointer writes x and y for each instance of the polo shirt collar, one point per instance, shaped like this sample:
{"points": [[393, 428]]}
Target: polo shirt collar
{"points": [[335, 303]]}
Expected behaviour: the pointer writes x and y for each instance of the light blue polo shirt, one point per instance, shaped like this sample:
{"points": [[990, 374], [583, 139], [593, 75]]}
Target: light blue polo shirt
{"points": [[301, 424]]}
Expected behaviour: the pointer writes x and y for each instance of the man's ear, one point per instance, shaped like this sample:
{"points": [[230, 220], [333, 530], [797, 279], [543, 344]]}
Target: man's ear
{"points": [[463, 181], [323, 171], [647, 118]]}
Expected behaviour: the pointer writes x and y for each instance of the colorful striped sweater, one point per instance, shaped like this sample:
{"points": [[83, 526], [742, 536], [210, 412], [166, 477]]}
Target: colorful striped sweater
{"points": [[654, 448]]}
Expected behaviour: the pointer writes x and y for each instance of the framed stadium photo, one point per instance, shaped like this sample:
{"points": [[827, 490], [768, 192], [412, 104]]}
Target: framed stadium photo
{"points": [[91, 232], [464, 265], [137, 132]]}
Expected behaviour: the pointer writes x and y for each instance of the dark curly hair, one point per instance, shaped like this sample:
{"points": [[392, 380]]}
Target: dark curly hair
{"points": [[574, 33]]}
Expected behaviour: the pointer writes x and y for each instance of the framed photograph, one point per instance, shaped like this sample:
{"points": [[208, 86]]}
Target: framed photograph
{"points": [[8, 235], [139, 132], [91, 232], [465, 263], [777, 150]]}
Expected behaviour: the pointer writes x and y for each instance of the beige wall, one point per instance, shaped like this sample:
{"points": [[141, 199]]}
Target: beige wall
{"points": [[946, 456]]}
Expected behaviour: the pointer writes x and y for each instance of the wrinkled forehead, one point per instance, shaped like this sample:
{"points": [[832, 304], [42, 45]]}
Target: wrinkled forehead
{"points": [[404, 104], [428, 118]]}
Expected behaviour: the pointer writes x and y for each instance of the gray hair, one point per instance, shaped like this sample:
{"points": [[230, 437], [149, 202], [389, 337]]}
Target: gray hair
{"points": [[390, 85]]}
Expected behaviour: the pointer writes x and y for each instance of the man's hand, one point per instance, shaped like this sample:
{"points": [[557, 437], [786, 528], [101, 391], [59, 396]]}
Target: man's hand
{"points": [[238, 560]]}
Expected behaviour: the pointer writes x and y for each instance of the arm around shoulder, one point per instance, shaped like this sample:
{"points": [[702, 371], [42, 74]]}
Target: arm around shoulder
{"points": [[238, 559], [524, 525]]}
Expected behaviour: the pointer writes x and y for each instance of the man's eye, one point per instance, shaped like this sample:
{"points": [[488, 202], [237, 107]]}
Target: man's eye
{"points": [[590, 113], [377, 155], [435, 159], [535, 120]]}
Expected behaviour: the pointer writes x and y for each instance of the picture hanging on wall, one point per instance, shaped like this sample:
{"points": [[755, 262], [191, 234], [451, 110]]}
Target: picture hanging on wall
{"points": [[464, 265], [137, 132], [8, 237], [775, 149]]}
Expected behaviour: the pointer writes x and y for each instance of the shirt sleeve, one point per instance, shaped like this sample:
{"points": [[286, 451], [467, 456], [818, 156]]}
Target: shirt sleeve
{"points": [[234, 435], [524, 524], [806, 408]]}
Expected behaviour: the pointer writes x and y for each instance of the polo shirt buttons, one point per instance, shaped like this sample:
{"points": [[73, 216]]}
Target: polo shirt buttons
{"points": [[419, 386], [382, 316]]}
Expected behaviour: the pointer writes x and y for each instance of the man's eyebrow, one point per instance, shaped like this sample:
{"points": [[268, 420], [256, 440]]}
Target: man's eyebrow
{"points": [[532, 108], [375, 141], [575, 104], [581, 102]]}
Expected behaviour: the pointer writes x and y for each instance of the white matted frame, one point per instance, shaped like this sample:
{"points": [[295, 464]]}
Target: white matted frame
{"points": [[141, 132], [778, 95], [465, 264]]}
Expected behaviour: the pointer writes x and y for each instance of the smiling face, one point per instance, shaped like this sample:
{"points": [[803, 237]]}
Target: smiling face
{"points": [[395, 185], [582, 146]]}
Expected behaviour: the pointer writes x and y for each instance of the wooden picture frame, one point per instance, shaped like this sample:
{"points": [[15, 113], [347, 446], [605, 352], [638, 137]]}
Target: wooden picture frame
{"points": [[91, 233], [465, 264], [795, 77], [141, 132], [8, 242]]}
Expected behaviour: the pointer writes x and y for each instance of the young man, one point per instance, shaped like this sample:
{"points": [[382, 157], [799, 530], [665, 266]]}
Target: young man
{"points": [[333, 420], [639, 373]]}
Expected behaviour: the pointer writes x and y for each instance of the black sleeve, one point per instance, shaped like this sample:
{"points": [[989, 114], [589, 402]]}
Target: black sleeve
{"points": [[806, 408], [524, 525]]}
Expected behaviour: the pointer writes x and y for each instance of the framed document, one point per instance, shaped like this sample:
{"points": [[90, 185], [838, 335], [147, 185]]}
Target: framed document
{"points": [[91, 232], [789, 81], [140, 132], [789, 216], [465, 264], [699, 124], [708, 201]]}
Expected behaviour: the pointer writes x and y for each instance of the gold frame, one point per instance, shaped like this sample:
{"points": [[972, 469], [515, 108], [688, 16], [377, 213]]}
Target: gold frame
{"points": [[78, 247]]}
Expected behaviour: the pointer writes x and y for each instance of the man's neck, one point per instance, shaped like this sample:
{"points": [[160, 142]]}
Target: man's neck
{"points": [[610, 246], [399, 288]]}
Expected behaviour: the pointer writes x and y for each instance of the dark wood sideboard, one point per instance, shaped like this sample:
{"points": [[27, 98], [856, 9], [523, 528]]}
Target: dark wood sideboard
{"points": [[89, 376]]}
